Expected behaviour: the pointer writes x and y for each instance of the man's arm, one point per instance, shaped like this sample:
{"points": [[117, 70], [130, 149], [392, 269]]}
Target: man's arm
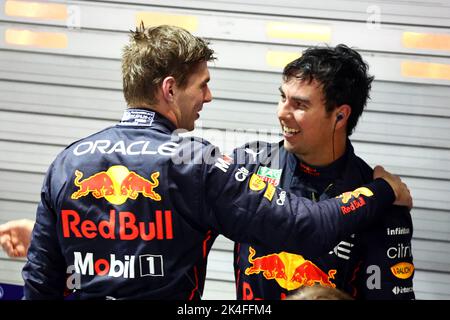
{"points": [[45, 271], [246, 209], [15, 237], [387, 271], [401, 191]]}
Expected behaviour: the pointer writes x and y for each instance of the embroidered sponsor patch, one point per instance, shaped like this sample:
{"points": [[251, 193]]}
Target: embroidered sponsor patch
{"points": [[346, 196], [401, 290], [116, 185], [291, 271], [241, 174], [403, 270], [270, 191], [224, 162], [270, 175], [256, 183], [357, 202], [137, 117]]}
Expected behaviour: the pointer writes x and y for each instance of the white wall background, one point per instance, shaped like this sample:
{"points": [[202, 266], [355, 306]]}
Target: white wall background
{"points": [[55, 92]]}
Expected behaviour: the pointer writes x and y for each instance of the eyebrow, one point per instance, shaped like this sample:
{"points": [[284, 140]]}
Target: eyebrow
{"points": [[296, 99]]}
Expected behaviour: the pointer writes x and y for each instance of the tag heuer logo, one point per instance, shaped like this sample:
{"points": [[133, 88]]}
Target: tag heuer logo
{"points": [[269, 175]]}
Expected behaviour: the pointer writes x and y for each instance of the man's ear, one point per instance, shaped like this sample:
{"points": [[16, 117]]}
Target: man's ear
{"points": [[342, 114], [168, 88]]}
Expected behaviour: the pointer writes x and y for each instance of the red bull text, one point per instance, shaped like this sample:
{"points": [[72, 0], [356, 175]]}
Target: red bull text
{"points": [[129, 228]]}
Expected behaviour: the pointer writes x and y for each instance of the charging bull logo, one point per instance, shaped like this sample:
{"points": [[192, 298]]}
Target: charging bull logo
{"points": [[134, 184], [291, 271], [99, 184], [116, 185], [346, 196], [357, 202], [272, 266]]}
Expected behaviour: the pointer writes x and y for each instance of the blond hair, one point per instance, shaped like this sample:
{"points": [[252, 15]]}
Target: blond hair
{"points": [[155, 53], [318, 292]]}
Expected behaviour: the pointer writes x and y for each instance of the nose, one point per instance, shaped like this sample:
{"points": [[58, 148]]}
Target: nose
{"points": [[283, 111], [208, 96]]}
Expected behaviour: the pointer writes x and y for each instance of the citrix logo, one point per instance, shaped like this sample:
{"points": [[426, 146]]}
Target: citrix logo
{"points": [[400, 251]]}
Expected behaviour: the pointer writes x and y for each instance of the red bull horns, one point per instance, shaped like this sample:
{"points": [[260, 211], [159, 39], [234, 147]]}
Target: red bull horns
{"points": [[357, 202], [346, 196], [116, 185], [291, 271]]}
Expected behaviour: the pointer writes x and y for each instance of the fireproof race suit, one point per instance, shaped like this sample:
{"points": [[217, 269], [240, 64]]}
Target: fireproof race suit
{"points": [[374, 264], [131, 212]]}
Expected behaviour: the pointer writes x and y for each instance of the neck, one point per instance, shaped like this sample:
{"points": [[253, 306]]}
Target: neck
{"points": [[339, 148], [165, 111], [324, 156], [170, 115]]}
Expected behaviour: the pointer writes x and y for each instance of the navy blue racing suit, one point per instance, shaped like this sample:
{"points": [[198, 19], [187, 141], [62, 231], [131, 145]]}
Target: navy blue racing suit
{"points": [[131, 212], [374, 264]]}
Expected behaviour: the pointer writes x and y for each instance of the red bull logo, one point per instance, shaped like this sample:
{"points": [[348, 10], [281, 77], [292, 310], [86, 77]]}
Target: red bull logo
{"points": [[357, 202], [122, 225], [346, 196], [116, 185], [271, 266], [291, 271], [99, 184], [133, 184], [308, 274], [308, 170]]}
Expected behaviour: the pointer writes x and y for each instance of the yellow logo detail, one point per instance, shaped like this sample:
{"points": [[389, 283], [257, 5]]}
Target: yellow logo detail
{"points": [[290, 271], [346, 196], [116, 185], [270, 191], [256, 183], [403, 270]]}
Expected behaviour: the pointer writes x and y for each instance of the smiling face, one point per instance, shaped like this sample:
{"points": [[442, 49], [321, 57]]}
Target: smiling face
{"points": [[307, 127], [188, 101]]}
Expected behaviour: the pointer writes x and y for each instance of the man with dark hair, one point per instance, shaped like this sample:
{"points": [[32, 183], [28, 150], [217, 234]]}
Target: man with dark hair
{"points": [[133, 209], [322, 96]]}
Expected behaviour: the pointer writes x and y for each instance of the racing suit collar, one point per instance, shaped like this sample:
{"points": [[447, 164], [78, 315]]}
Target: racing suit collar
{"points": [[321, 179], [136, 117], [330, 171]]}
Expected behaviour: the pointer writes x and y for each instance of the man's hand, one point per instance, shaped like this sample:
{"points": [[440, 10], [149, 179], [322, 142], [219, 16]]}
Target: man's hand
{"points": [[15, 237], [402, 193]]}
